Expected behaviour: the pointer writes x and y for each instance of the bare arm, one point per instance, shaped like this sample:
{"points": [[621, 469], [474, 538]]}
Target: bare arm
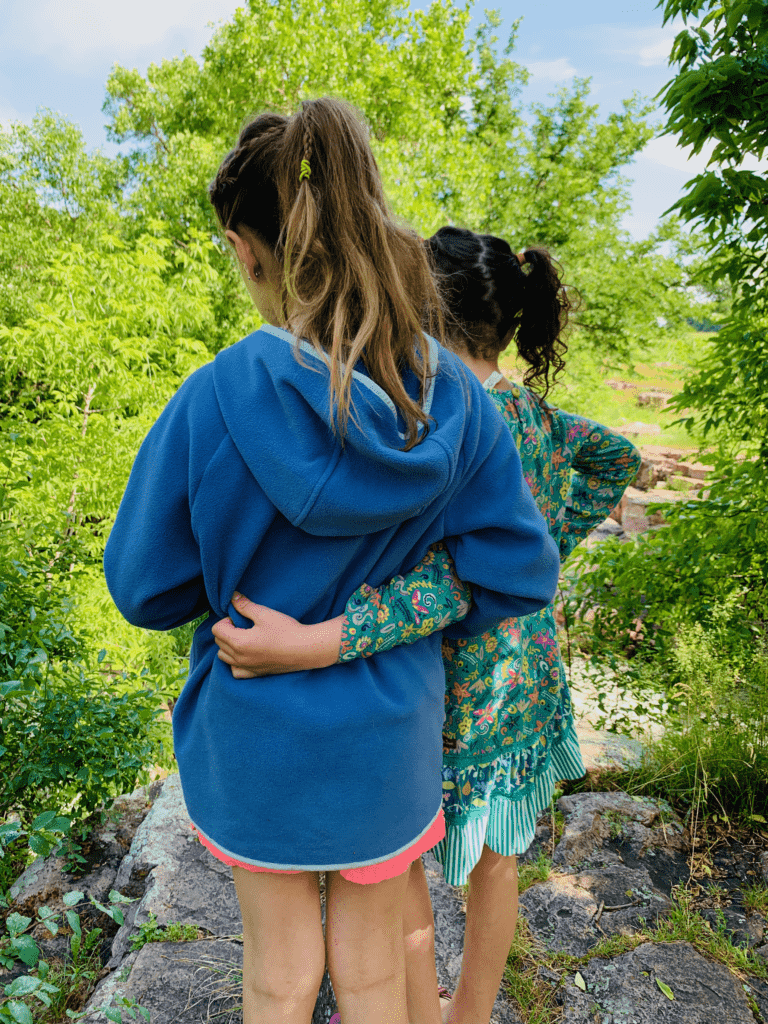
{"points": [[402, 611]]}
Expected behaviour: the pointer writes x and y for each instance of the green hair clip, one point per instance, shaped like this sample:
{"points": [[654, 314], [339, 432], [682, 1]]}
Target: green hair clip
{"points": [[306, 170]]}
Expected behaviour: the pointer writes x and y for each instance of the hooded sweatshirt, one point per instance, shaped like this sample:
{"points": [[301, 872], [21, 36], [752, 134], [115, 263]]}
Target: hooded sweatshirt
{"points": [[242, 484]]}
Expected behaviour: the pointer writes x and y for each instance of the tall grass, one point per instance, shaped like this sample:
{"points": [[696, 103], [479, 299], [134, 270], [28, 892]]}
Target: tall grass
{"points": [[713, 756]]}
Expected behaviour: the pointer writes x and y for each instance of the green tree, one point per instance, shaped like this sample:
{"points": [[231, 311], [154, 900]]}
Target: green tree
{"points": [[710, 565], [451, 136]]}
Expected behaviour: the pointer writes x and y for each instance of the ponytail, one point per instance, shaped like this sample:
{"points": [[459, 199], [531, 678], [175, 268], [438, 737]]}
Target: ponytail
{"points": [[493, 299], [357, 286], [543, 316]]}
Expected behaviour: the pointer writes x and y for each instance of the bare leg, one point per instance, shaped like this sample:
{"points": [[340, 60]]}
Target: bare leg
{"points": [[488, 935], [364, 944], [419, 940], [283, 949]]}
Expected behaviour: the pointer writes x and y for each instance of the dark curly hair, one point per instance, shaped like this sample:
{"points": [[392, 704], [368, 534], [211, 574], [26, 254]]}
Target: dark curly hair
{"points": [[492, 299]]}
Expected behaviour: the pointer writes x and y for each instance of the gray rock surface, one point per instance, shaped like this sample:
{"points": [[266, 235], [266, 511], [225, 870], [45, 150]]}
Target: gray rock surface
{"points": [[590, 819], [179, 982], [614, 868], [742, 930], [184, 883], [759, 992], [624, 990]]}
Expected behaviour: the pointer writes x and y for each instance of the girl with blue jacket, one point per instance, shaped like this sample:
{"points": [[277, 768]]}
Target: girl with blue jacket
{"points": [[333, 446], [509, 733]]}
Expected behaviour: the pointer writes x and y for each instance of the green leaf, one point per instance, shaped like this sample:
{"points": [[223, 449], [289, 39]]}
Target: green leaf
{"points": [[71, 898], [44, 820], [579, 982], [39, 845], [16, 923], [117, 897], [20, 1012], [74, 922], [665, 989], [26, 949], [113, 1015], [22, 986]]}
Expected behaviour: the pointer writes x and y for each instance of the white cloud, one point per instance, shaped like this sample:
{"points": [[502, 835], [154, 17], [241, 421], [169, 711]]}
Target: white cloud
{"points": [[665, 151], [645, 47], [79, 30], [9, 114], [657, 51], [552, 70]]}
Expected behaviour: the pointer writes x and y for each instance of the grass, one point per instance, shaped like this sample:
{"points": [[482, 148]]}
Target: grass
{"points": [[532, 872], [755, 899], [151, 931], [534, 994]]}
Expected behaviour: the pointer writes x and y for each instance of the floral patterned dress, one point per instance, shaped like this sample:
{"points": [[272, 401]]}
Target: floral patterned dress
{"points": [[509, 734]]}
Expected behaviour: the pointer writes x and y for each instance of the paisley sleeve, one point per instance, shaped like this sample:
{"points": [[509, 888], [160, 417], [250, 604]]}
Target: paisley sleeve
{"points": [[409, 607], [604, 465]]}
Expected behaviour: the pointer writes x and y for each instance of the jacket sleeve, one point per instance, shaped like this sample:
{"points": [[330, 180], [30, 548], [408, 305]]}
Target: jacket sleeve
{"points": [[152, 560], [409, 607], [496, 535], [604, 464]]}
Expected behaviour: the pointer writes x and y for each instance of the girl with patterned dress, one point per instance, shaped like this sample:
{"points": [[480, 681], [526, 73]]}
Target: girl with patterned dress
{"points": [[509, 733]]}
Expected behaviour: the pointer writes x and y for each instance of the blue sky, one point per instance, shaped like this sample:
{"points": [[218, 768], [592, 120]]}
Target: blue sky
{"points": [[58, 53]]}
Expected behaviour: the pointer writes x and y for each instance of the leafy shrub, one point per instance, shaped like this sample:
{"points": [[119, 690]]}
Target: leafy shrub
{"points": [[708, 566], [52, 986], [72, 742], [18, 844], [70, 734]]}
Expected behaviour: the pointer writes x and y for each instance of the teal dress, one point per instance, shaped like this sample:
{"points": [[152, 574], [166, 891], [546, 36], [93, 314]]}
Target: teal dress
{"points": [[509, 733]]}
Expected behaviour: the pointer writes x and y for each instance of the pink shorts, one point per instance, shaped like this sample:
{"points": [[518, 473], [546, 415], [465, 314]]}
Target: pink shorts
{"points": [[364, 876]]}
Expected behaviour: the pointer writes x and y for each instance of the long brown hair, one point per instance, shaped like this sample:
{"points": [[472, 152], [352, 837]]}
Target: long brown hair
{"points": [[488, 294], [358, 285]]}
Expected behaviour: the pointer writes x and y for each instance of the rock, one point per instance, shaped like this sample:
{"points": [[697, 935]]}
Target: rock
{"points": [[586, 825], [624, 989], [760, 995], [560, 915], [608, 528], [562, 912], [635, 429], [184, 882], [654, 398], [179, 982], [763, 866], [617, 886], [740, 929], [684, 483], [696, 470], [646, 476], [635, 516], [45, 881]]}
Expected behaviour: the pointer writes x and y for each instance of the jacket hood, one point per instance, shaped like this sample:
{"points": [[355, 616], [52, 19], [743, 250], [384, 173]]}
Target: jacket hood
{"points": [[273, 396]]}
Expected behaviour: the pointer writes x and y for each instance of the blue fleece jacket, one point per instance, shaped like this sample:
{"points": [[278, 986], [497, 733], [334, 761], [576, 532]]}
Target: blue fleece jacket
{"points": [[241, 484]]}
